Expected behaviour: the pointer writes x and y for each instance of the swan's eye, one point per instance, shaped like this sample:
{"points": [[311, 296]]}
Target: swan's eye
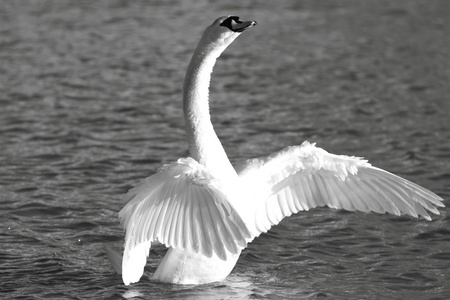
{"points": [[230, 22]]}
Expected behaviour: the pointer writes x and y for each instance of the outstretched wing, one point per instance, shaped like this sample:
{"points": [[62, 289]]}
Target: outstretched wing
{"points": [[181, 206], [303, 177]]}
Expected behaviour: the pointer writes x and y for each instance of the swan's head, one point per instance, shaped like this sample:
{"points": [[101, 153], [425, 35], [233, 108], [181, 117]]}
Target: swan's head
{"points": [[224, 30]]}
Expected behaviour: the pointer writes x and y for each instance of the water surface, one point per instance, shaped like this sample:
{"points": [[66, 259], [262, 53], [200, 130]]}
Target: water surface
{"points": [[90, 105]]}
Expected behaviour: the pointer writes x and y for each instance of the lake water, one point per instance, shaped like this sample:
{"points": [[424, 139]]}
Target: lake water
{"points": [[90, 105]]}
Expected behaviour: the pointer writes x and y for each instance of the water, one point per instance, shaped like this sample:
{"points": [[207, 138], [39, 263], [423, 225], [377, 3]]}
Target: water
{"points": [[90, 104]]}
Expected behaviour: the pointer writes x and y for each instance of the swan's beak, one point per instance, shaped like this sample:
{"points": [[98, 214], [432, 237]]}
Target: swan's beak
{"points": [[239, 26], [235, 24]]}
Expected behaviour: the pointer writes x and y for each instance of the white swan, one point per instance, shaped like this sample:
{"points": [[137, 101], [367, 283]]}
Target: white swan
{"points": [[206, 212]]}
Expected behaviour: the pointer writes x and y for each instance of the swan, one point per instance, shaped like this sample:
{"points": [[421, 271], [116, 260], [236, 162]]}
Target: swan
{"points": [[206, 211]]}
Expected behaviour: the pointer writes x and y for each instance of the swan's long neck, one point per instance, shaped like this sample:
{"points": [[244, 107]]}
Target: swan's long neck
{"points": [[204, 145]]}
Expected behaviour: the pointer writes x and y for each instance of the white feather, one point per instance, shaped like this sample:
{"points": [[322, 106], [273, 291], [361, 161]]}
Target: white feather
{"points": [[180, 206], [304, 177]]}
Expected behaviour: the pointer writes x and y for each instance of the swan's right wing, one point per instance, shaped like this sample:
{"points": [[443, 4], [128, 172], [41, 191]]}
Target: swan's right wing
{"points": [[182, 206], [303, 177]]}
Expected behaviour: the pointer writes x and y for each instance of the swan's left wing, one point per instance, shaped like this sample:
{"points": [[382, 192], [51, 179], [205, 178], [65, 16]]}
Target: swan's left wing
{"points": [[181, 206], [303, 177]]}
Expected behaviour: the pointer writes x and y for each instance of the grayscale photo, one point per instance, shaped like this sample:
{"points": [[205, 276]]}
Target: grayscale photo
{"points": [[294, 149]]}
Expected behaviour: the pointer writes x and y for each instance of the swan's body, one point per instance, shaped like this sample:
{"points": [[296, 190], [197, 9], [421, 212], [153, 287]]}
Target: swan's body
{"points": [[206, 212]]}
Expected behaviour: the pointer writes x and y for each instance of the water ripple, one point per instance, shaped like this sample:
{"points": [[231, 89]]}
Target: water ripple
{"points": [[91, 105]]}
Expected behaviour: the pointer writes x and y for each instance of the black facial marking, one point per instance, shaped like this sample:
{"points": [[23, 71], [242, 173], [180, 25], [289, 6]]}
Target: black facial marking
{"points": [[228, 23]]}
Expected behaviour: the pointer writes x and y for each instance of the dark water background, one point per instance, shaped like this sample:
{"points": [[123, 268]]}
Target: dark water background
{"points": [[90, 104]]}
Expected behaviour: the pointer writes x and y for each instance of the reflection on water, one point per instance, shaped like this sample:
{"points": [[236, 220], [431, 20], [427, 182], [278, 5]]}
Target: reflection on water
{"points": [[91, 104], [130, 294]]}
